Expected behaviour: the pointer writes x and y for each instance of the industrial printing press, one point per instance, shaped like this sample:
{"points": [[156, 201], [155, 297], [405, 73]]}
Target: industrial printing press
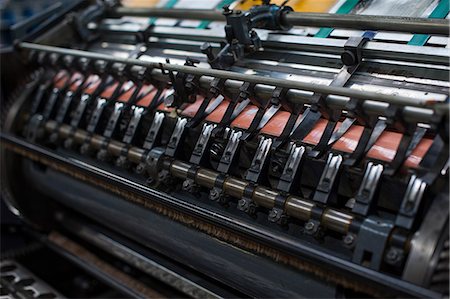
{"points": [[235, 148]]}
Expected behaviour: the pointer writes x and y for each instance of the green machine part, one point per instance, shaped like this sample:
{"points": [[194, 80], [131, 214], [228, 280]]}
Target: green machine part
{"points": [[345, 8], [440, 12]]}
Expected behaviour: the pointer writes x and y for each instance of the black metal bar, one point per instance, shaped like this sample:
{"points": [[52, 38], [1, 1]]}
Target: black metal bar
{"points": [[361, 22], [173, 13], [368, 22], [228, 75]]}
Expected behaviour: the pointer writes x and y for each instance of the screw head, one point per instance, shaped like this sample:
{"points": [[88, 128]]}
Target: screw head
{"points": [[309, 225], [242, 204], [349, 239], [214, 194], [273, 215], [140, 168], [185, 184], [393, 256]]}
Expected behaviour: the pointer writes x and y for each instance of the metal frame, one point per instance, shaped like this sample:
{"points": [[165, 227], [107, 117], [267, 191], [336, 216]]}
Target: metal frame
{"points": [[398, 100]]}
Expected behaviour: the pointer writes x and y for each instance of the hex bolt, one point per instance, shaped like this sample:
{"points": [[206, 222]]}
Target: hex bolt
{"points": [[273, 215], [242, 204], [309, 226], [214, 194], [393, 256], [140, 168], [186, 186], [349, 239], [150, 181]]}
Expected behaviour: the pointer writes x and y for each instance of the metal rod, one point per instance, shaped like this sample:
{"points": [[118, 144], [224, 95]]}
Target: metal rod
{"points": [[360, 22], [319, 88], [368, 22], [174, 13]]}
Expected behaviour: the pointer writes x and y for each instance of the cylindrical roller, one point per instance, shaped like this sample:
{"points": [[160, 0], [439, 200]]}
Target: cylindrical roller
{"points": [[135, 154], [264, 197], [298, 208], [206, 177], [336, 220], [234, 187], [179, 169]]}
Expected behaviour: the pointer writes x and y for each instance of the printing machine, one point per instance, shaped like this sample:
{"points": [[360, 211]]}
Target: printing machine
{"points": [[237, 148]]}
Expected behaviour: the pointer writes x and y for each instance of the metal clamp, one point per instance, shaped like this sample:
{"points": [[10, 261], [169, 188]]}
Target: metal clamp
{"points": [[152, 134], [79, 111], [34, 130], [61, 114], [133, 124], [85, 148], [290, 172], [137, 113], [48, 109], [42, 89], [277, 214], [113, 119], [103, 154], [259, 160], [202, 144], [352, 55], [98, 110], [76, 118], [246, 204], [189, 185], [327, 183], [229, 153], [176, 136], [217, 193], [62, 111], [411, 202], [367, 190]]}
